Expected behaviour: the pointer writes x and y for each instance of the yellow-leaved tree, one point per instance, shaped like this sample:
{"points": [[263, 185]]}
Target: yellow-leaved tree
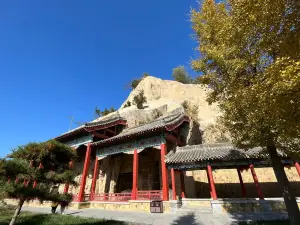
{"points": [[250, 60]]}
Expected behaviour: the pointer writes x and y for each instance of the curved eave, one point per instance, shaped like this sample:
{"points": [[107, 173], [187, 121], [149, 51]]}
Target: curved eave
{"points": [[101, 126], [119, 138], [71, 133]]}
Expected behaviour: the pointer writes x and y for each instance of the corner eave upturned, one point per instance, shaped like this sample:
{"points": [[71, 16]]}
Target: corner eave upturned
{"points": [[166, 123], [93, 126]]}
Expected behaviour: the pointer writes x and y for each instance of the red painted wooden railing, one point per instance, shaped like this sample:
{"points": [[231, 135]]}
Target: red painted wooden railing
{"points": [[121, 197], [86, 198], [149, 195], [111, 197]]}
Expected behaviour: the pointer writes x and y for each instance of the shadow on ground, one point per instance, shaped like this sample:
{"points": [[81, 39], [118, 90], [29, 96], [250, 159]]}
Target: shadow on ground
{"points": [[187, 219], [45, 219]]}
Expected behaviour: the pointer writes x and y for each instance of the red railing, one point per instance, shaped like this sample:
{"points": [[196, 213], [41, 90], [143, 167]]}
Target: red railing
{"points": [[86, 198], [121, 197], [111, 197], [149, 195]]}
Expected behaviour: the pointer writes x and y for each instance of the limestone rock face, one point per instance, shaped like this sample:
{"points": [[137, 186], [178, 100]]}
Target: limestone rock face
{"points": [[166, 95]]}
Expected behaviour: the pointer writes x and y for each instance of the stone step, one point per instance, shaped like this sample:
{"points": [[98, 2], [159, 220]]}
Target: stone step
{"points": [[194, 210]]}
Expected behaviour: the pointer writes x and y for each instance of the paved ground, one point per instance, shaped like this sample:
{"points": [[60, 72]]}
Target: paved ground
{"points": [[163, 219]]}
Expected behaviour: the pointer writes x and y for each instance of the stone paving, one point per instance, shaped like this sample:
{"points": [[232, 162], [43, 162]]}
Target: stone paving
{"points": [[142, 218]]}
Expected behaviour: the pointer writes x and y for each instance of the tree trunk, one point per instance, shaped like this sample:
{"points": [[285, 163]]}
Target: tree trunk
{"points": [[17, 212], [287, 193]]}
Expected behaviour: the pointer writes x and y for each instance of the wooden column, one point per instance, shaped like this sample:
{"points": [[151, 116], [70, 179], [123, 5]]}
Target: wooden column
{"points": [[135, 175], [84, 173], [173, 184], [242, 183], [66, 189], [297, 167], [211, 183], [164, 172], [182, 185], [35, 182], [259, 192], [94, 178]]}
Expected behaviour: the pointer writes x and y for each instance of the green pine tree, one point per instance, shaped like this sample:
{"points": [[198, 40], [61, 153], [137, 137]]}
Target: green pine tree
{"points": [[31, 171]]}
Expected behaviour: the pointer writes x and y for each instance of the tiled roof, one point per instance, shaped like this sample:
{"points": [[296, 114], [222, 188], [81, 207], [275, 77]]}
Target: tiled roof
{"points": [[71, 132], [210, 152], [105, 122], [169, 122], [100, 123]]}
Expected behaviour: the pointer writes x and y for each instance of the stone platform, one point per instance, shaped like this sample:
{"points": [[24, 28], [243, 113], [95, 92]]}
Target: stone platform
{"points": [[221, 206]]}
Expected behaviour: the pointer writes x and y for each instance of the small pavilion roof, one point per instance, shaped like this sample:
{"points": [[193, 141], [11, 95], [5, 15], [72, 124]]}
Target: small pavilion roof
{"points": [[99, 123], [169, 122], [212, 152]]}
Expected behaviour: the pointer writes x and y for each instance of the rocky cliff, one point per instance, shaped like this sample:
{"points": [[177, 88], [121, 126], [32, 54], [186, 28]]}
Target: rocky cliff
{"points": [[165, 95]]}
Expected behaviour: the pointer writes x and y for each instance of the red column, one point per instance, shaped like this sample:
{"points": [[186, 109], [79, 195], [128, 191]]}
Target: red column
{"points": [[135, 175], [84, 173], [173, 184], [259, 192], [164, 173], [94, 178], [35, 182], [66, 189], [182, 185], [297, 167], [211, 183], [242, 183]]}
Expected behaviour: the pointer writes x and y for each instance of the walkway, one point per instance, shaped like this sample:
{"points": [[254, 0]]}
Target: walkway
{"points": [[162, 219]]}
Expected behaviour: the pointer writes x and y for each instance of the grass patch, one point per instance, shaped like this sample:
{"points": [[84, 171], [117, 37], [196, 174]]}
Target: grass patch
{"points": [[28, 218]]}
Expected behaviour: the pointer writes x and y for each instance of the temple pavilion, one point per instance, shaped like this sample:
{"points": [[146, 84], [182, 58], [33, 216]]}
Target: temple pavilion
{"points": [[120, 167]]}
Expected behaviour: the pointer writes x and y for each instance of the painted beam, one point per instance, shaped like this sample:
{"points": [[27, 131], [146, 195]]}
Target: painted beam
{"points": [[111, 131], [174, 139], [98, 135]]}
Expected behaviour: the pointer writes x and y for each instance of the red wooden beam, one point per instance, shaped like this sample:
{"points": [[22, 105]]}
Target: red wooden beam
{"points": [[173, 184], [164, 173], [259, 192], [174, 139], [135, 175], [111, 131], [94, 178], [242, 183], [85, 172], [182, 185], [212, 183], [101, 136]]}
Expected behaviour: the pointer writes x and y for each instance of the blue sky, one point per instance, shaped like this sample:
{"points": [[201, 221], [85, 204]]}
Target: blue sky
{"points": [[65, 57]]}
